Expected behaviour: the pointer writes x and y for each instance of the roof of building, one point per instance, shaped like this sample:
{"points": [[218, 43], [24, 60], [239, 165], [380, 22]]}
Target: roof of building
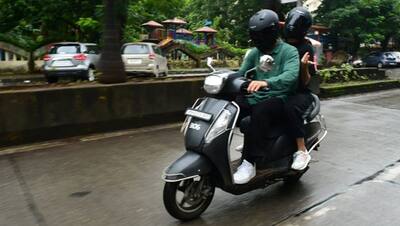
{"points": [[206, 30], [174, 21], [152, 23], [184, 31]]}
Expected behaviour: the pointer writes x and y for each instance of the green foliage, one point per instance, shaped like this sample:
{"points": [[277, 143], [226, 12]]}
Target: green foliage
{"points": [[239, 52], [344, 73], [197, 49], [363, 21], [34, 23]]}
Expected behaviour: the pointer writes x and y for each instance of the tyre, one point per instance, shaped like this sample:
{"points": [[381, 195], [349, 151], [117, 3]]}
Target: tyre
{"points": [[52, 79], [380, 65], [188, 199], [165, 74], [156, 73]]}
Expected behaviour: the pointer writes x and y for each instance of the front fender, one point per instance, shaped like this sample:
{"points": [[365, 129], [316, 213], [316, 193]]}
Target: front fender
{"points": [[190, 165]]}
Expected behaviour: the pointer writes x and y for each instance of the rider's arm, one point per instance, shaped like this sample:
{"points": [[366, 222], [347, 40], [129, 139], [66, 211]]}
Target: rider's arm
{"points": [[289, 77], [305, 76], [307, 70]]}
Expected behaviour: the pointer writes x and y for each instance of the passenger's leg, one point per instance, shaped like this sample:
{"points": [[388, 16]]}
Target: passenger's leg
{"points": [[295, 107]]}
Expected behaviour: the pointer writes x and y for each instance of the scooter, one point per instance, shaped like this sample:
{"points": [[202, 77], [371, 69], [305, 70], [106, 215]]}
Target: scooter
{"points": [[208, 129]]}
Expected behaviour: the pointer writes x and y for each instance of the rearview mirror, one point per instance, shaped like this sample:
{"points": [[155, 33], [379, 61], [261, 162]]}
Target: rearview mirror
{"points": [[266, 63], [209, 63]]}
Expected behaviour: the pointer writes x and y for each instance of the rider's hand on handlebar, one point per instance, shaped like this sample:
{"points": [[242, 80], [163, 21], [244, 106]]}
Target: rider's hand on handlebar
{"points": [[254, 86]]}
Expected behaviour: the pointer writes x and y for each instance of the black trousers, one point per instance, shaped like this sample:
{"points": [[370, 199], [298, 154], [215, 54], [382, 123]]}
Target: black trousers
{"points": [[295, 107], [262, 115]]}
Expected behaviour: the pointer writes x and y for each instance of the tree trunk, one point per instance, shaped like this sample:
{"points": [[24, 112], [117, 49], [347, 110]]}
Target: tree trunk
{"points": [[385, 43], [356, 46], [31, 62], [111, 66]]}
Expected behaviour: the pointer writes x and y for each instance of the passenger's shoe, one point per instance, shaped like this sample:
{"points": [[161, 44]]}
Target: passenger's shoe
{"points": [[245, 172], [239, 148], [301, 160]]}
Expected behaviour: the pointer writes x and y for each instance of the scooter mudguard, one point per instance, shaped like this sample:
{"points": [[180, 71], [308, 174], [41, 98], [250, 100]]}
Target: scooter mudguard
{"points": [[190, 165]]}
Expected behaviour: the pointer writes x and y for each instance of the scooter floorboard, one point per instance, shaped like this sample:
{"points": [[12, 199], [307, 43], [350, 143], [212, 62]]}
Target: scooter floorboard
{"points": [[262, 173]]}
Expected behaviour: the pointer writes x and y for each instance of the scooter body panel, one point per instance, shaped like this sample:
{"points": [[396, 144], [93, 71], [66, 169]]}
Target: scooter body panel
{"points": [[189, 165]]}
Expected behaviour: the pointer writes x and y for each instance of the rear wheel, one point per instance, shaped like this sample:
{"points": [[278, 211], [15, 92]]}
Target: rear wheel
{"points": [[52, 79], [188, 199], [157, 72]]}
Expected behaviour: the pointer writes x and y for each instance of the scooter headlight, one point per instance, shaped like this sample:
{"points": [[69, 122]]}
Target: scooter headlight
{"points": [[219, 126], [213, 84]]}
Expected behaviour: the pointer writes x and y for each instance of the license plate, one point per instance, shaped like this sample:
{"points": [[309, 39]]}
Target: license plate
{"points": [[62, 63], [198, 114], [135, 61]]}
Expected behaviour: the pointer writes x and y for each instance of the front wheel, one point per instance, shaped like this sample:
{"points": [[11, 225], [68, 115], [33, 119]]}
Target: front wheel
{"points": [[188, 199]]}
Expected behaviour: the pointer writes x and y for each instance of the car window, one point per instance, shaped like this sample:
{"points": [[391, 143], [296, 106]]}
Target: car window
{"points": [[395, 54], [92, 49], [136, 49], [157, 50], [65, 49], [389, 55]]}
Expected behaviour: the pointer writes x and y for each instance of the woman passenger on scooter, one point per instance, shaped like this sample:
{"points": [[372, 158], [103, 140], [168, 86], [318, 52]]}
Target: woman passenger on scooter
{"points": [[298, 22], [281, 81]]}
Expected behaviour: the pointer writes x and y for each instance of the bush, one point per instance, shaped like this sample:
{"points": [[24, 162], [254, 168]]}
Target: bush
{"points": [[197, 49], [239, 52], [344, 73]]}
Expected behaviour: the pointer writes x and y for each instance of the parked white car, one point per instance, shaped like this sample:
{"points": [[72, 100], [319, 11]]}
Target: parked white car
{"points": [[144, 57]]}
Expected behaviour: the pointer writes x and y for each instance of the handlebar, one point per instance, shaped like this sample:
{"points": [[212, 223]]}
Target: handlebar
{"points": [[245, 85]]}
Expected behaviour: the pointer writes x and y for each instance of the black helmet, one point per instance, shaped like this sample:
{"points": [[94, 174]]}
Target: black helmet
{"points": [[298, 21], [264, 29]]}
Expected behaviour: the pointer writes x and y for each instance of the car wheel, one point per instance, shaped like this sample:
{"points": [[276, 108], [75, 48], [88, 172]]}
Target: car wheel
{"points": [[52, 79], [157, 72], [380, 65]]}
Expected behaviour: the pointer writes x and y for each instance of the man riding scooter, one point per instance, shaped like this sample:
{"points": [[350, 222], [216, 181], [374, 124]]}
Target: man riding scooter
{"points": [[265, 107]]}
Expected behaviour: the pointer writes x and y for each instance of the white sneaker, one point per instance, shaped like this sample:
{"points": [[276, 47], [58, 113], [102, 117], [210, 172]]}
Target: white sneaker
{"points": [[300, 160], [245, 172], [239, 148]]}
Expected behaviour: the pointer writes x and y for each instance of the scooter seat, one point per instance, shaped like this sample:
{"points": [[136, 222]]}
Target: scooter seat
{"points": [[313, 110]]}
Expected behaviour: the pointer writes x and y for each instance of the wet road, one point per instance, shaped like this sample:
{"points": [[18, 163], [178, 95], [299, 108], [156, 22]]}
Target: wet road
{"points": [[115, 179]]}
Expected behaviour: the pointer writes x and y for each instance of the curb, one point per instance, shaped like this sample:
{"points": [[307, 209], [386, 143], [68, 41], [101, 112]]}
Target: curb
{"points": [[342, 90]]}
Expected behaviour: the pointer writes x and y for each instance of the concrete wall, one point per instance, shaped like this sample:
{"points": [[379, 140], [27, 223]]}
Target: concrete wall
{"points": [[18, 66], [28, 116]]}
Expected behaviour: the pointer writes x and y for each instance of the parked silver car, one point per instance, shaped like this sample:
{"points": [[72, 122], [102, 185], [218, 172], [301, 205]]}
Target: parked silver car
{"points": [[144, 57], [396, 54], [71, 59]]}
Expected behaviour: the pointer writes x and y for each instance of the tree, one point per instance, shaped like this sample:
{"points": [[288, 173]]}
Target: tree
{"points": [[32, 24], [363, 21], [111, 65]]}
